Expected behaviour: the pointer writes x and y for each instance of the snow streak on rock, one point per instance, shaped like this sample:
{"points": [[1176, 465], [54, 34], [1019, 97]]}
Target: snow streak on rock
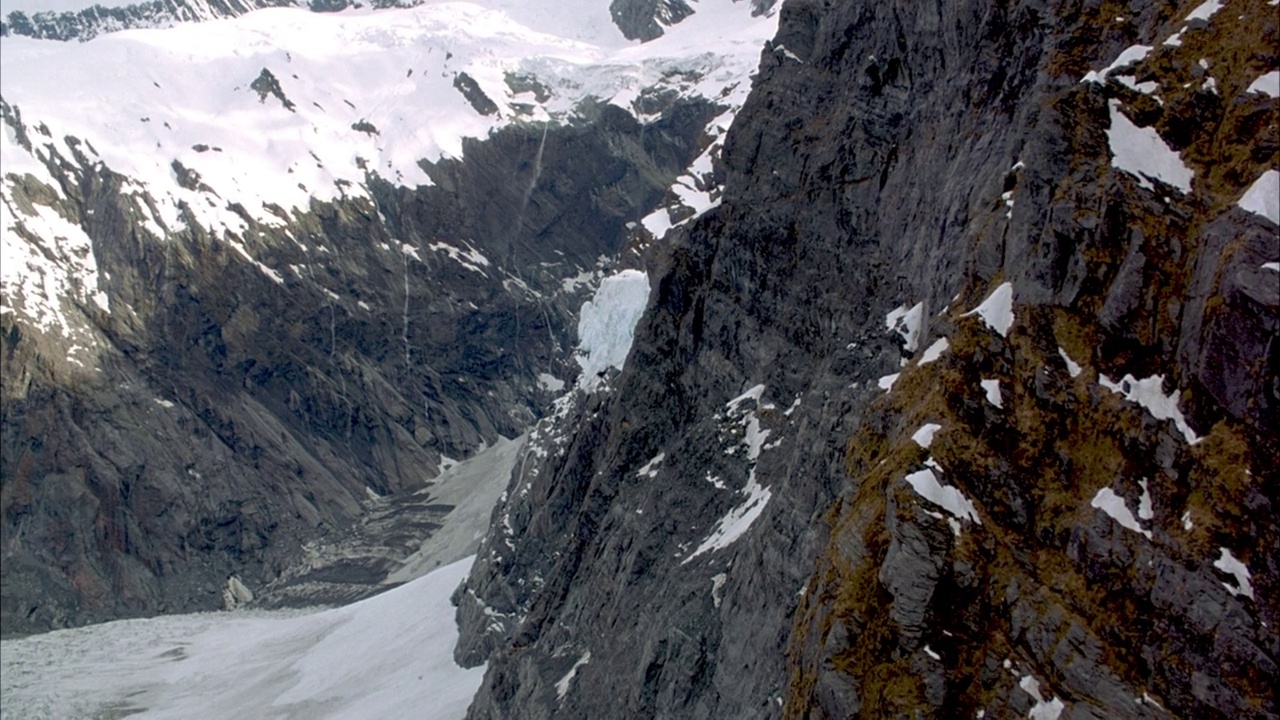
{"points": [[738, 520]]}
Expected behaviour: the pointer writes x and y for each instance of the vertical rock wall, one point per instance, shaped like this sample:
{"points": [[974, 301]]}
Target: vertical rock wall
{"points": [[657, 556]]}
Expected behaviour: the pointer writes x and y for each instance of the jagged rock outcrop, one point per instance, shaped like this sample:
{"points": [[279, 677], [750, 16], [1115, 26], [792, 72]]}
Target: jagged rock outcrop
{"points": [[645, 19], [1063, 510]]}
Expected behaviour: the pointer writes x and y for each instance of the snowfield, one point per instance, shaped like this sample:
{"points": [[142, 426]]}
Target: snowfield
{"points": [[390, 656], [359, 90]]}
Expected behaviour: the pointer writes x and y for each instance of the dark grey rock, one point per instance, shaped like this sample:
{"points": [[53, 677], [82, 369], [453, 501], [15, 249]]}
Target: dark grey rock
{"points": [[643, 19], [910, 571], [268, 84], [470, 90]]}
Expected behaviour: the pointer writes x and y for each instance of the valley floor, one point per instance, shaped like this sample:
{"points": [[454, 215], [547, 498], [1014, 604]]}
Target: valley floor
{"points": [[387, 656]]}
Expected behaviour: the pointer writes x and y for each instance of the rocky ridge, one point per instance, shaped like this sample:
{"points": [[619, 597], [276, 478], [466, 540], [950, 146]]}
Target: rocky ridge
{"points": [[962, 403]]}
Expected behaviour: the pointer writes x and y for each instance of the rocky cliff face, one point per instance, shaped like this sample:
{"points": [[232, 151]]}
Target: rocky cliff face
{"points": [[962, 403]]}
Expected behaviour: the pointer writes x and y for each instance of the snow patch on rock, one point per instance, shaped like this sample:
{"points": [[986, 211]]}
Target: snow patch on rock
{"points": [[1149, 393], [1268, 84], [906, 322], [1114, 506], [992, 389], [1142, 153], [1043, 709], [997, 310], [1073, 368], [1205, 10], [1263, 196], [924, 436], [934, 351], [562, 685], [1228, 563], [947, 497], [1129, 56]]}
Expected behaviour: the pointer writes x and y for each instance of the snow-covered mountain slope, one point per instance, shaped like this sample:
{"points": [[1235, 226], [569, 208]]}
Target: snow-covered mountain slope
{"points": [[385, 657], [257, 267], [262, 114], [50, 6], [68, 20]]}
